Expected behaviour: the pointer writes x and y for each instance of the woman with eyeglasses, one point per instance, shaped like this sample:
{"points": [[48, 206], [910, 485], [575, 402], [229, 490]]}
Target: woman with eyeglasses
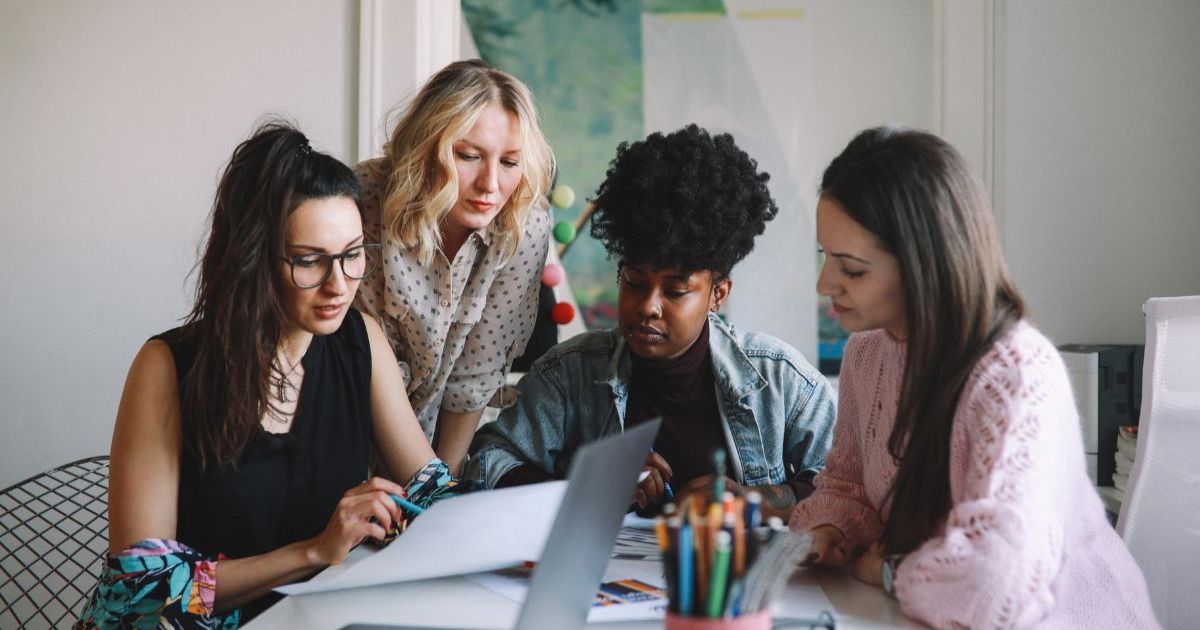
{"points": [[240, 455], [458, 201]]}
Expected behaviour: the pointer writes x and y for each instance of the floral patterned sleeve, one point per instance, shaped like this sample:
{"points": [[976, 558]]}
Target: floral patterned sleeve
{"points": [[434, 483], [429, 485], [157, 583]]}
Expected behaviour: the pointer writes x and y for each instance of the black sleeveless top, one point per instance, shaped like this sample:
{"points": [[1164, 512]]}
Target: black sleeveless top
{"points": [[284, 487]]}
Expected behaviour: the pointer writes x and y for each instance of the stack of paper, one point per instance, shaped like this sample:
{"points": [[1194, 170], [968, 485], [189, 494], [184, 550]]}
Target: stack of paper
{"points": [[480, 531]]}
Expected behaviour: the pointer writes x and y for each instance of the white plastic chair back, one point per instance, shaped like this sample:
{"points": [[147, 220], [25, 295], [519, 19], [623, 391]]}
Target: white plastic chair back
{"points": [[1160, 517]]}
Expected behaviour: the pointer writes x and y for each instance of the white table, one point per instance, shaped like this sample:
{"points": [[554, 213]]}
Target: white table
{"points": [[458, 601]]}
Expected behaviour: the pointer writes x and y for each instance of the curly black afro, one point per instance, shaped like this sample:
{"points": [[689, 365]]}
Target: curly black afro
{"points": [[686, 200]]}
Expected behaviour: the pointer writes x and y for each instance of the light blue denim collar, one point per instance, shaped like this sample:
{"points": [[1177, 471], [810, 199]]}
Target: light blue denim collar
{"points": [[735, 375]]}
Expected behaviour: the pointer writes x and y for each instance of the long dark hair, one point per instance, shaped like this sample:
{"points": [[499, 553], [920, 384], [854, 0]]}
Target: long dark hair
{"points": [[919, 197], [237, 320]]}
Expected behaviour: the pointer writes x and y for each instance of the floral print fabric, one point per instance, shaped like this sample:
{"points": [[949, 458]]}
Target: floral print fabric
{"points": [[433, 483], [157, 583]]}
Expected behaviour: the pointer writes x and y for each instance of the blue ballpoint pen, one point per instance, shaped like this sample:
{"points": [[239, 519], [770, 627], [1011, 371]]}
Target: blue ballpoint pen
{"points": [[666, 486]]}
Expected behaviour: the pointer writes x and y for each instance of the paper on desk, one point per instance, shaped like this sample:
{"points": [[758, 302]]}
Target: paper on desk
{"points": [[634, 543], [633, 521], [514, 584], [481, 531]]}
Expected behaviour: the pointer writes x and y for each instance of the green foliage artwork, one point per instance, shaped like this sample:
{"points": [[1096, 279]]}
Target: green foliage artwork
{"points": [[583, 61]]}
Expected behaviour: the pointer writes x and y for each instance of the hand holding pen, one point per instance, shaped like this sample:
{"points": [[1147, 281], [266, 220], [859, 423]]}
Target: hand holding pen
{"points": [[654, 483], [364, 511]]}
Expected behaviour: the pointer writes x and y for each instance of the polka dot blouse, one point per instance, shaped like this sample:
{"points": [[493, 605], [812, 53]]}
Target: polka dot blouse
{"points": [[455, 325]]}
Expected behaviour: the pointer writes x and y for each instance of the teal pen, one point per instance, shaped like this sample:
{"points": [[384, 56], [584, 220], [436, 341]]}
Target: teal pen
{"points": [[685, 569], [408, 506], [718, 475]]}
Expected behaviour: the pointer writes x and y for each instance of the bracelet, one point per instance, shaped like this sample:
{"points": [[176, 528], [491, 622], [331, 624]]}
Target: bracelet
{"points": [[891, 563]]}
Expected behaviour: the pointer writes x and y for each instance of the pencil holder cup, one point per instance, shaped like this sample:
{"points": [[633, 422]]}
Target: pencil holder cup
{"points": [[760, 620]]}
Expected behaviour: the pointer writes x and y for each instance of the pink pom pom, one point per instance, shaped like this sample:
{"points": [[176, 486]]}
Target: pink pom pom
{"points": [[552, 275]]}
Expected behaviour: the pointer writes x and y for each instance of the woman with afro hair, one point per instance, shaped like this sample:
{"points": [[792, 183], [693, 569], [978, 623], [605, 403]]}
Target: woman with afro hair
{"points": [[677, 212]]}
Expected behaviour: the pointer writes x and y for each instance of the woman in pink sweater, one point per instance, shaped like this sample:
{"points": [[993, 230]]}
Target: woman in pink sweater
{"points": [[957, 479]]}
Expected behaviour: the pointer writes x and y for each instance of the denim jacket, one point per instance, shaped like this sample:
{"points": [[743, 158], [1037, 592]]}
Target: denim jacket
{"points": [[776, 409]]}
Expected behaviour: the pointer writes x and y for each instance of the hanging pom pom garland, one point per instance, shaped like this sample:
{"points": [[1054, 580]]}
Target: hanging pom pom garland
{"points": [[562, 197], [564, 232], [562, 313], [553, 274]]}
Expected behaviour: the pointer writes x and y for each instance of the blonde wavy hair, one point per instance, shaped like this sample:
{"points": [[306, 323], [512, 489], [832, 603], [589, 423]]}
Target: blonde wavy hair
{"points": [[423, 183]]}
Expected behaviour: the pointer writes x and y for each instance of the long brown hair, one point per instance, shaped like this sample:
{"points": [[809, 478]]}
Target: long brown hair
{"points": [[918, 196], [237, 320]]}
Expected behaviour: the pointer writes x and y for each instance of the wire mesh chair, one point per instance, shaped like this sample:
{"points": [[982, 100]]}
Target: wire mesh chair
{"points": [[53, 532]]}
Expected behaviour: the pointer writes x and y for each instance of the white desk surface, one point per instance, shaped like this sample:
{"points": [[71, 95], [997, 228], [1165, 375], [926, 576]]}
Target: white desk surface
{"points": [[456, 601]]}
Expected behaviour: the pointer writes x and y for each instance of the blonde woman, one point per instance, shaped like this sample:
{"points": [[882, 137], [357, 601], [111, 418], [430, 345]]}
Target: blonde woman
{"points": [[457, 201]]}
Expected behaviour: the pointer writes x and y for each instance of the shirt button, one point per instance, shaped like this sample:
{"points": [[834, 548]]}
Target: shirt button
{"points": [[445, 302]]}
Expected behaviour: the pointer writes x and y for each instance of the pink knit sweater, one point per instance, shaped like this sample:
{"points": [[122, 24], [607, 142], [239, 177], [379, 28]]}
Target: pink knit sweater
{"points": [[1026, 541]]}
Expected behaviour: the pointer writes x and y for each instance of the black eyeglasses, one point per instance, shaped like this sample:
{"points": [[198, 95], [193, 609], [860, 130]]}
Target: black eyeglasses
{"points": [[312, 270]]}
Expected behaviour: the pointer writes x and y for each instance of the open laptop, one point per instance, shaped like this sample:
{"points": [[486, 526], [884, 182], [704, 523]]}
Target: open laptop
{"points": [[600, 484]]}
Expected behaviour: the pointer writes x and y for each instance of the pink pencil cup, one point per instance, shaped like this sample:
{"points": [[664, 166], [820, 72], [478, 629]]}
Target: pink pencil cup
{"points": [[760, 620]]}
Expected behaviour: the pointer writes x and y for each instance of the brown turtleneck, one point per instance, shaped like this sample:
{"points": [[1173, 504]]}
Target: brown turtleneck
{"points": [[683, 393]]}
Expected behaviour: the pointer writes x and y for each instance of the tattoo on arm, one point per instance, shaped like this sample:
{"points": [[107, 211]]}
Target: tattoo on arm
{"points": [[781, 497]]}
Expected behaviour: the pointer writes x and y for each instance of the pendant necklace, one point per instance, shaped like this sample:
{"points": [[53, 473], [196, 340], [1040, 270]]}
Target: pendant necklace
{"points": [[285, 379]]}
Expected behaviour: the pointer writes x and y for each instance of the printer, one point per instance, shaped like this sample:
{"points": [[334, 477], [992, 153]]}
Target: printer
{"points": [[1107, 380]]}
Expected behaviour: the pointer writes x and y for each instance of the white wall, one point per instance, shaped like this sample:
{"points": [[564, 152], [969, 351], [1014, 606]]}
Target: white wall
{"points": [[872, 63], [964, 80], [116, 119], [401, 44], [1097, 159]]}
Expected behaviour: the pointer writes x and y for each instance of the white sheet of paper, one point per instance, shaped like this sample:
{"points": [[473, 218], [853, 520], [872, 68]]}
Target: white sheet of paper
{"points": [[633, 521], [481, 531]]}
